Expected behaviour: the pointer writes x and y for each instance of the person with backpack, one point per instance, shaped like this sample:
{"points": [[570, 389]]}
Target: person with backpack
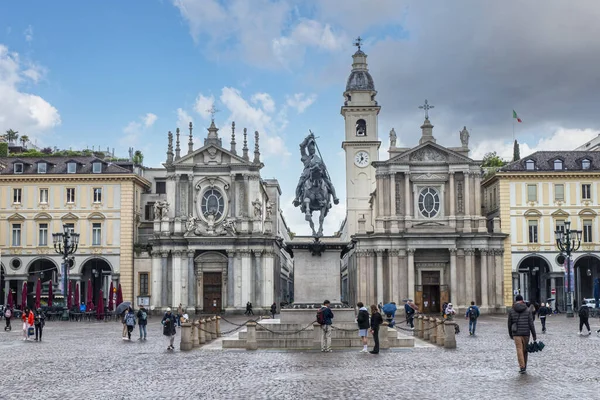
{"points": [[273, 310], [39, 322], [520, 327], [28, 320], [389, 310], [544, 311], [362, 319], [376, 321], [129, 321], [8, 316], [472, 315], [325, 319], [410, 309], [584, 315], [142, 316], [169, 322]]}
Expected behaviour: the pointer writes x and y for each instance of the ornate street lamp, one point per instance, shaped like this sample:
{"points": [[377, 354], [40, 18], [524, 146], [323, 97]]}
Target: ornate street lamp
{"points": [[65, 243], [568, 241]]}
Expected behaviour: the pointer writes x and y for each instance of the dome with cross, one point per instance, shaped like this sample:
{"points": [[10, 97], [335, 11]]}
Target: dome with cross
{"points": [[360, 78]]}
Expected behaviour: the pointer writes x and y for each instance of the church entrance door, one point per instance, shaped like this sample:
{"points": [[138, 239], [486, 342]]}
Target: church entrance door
{"points": [[431, 292], [212, 283]]}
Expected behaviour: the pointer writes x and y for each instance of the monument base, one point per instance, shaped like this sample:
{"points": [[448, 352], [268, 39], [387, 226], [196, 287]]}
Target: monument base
{"points": [[307, 315]]}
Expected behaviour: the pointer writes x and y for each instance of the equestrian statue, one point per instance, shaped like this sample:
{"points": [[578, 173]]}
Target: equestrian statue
{"points": [[315, 190]]}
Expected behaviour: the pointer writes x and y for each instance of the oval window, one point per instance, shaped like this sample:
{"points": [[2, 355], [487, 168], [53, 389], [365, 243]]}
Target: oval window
{"points": [[429, 202]]}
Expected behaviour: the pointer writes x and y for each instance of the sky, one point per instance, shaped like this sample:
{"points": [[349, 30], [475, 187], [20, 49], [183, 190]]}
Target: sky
{"points": [[113, 74]]}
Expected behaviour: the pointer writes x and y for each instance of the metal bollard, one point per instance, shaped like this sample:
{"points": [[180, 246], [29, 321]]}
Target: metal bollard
{"points": [[384, 335], [449, 335], [195, 341], [426, 328], [433, 330], [440, 331], [218, 326], [202, 331], [251, 343]]}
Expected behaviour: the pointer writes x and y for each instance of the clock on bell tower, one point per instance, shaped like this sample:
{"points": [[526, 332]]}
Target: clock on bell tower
{"points": [[361, 144]]}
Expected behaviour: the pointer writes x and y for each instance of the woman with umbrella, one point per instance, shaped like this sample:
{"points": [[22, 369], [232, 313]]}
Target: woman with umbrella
{"points": [[122, 309]]}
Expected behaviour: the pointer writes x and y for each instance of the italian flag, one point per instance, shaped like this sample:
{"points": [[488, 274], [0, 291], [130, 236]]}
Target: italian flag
{"points": [[515, 116]]}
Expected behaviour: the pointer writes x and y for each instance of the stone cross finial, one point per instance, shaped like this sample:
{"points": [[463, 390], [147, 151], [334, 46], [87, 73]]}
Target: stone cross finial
{"points": [[212, 111], [358, 42], [426, 107], [245, 148], [177, 148], [233, 138], [256, 148], [191, 141]]}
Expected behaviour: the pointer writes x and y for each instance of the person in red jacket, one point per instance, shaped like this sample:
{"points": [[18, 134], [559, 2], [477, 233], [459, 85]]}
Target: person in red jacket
{"points": [[27, 318]]}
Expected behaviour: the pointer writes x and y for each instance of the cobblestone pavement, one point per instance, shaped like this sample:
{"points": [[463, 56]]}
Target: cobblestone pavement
{"points": [[88, 360]]}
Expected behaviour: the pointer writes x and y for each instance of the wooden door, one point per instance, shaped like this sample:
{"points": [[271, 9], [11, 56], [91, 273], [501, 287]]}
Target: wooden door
{"points": [[431, 299], [212, 284]]}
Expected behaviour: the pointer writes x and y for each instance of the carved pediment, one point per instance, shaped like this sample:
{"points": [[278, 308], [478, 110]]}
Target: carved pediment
{"points": [[96, 215], [42, 215], [560, 214], [428, 154], [429, 177], [533, 213], [69, 217], [16, 217], [587, 212], [211, 154]]}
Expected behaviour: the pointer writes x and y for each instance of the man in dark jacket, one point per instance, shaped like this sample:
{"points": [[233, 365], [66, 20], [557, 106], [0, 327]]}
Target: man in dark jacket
{"points": [[326, 327], [542, 313], [584, 315], [520, 326], [362, 319]]}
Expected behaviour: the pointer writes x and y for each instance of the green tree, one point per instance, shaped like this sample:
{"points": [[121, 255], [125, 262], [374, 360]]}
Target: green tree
{"points": [[516, 151], [11, 135], [492, 160], [138, 157], [24, 139]]}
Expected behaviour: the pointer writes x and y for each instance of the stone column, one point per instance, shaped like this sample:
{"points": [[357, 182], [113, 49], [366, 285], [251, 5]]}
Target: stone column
{"points": [[393, 295], [411, 274], [402, 275], [379, 254], [257, 279], [191, 280], [453, 279], [469, 277], [199, 285], [237, 280], [177, 204], [176, 288], [156, 280], [452, 194], [247, 293], [268, 276], [484, 279], [230, 278], [477, 177], [164, 300], [394, 222], [499, 270], [361, 275], [407, 195]]}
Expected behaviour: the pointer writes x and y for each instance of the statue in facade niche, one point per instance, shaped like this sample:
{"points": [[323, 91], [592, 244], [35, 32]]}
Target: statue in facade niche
{"points": [[190, 224], [161, 209], [257, 208], [268, 209], [393, 138], [314, 190], [464, 137]]}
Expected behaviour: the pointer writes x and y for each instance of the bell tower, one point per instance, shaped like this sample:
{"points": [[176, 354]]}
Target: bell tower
{"points": [[361, 144]]}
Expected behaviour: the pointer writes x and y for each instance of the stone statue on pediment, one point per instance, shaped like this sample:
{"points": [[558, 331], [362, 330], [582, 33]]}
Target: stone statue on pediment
{"points": [[393, 138], [464, 137]]}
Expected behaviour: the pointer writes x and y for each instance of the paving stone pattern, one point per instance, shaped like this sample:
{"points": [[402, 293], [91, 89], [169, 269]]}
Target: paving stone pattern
{"points": [[89, 360]]}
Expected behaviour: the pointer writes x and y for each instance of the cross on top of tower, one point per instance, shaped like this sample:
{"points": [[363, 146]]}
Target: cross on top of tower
{"points": [[358, 42], [426, 107], [212, 111]]}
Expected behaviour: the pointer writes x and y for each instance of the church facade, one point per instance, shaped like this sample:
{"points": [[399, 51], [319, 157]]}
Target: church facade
{"points": [[415, 218], [214, 230]]}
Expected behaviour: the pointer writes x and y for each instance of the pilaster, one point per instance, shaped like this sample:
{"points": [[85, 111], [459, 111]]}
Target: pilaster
{"points": [[467, 200], [393, 211], [393, 294], [156, 280], [268, 276], [411, 273], [453, 277], [484, 279], [469, 277], [191, 279], [379, 275], [452, 196], [164, 300], [177, 285]]}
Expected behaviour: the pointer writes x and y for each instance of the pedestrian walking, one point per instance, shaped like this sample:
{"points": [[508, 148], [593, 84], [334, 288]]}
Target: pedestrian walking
{"points": [[124, 335], [543, 312], [7, 316], [531, 309], [472, 315], [325, 319], [39, 322], [410, 309], [249, 309], [520, 327], [28, 320], [168, 322], [129, 322], [142, 316], [273, 310], [362, 319], [380, 306], [584, 315], [376, 321]]}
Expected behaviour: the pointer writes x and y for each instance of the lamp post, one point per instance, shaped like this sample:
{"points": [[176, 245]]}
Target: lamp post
{"points": [[65, 244], [568, 241]]}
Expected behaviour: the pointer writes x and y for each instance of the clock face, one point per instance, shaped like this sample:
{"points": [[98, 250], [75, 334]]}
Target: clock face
{"points": [[361, 159]]}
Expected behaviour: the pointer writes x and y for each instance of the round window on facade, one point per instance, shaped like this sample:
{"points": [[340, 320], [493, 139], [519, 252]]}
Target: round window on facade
{"points": [[429, 202], [15, 263], [213, 203]]}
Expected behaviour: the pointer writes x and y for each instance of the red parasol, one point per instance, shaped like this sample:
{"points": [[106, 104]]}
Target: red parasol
{"points": [[50, 295], [89, 295], [24, 296], [69, 296], [9, 300], [119, 295], [100, 310], [38, 293], [76, 302], [110, 297]]}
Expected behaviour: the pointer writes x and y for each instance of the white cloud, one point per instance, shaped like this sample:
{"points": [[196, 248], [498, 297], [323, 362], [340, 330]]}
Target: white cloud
{"points": [[149, 120], [28, 34], [300, 102], [265, 100], [183, 119], [135, 130], [203, 104], [24, 112]]}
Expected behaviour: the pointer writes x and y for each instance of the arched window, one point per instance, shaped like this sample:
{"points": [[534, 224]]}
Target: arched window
{"points": [[558, 165], [530, 165], [429, 202], [585, 164], [361, 128], [213, 203]]}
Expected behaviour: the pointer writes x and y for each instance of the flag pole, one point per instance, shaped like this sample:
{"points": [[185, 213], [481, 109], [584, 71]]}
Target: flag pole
{"points": [[513, 121]]}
